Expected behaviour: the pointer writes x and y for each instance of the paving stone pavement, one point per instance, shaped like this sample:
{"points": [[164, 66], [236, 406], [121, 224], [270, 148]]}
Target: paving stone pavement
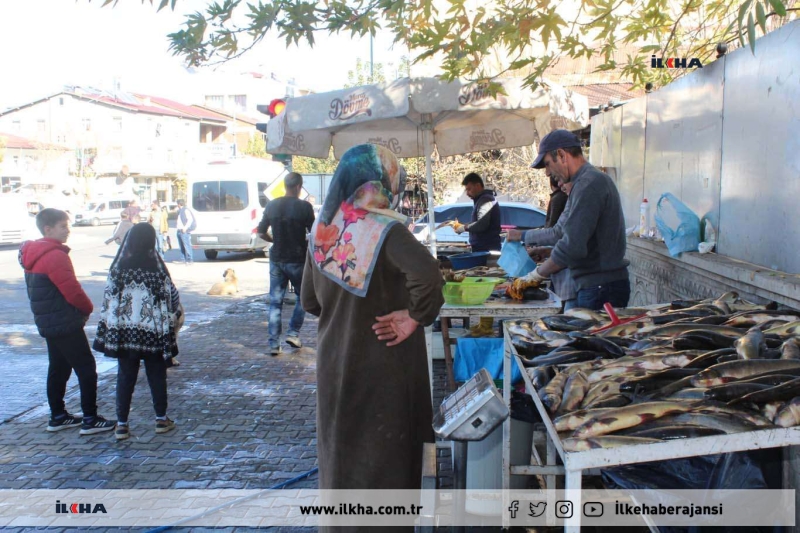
{"points": [[245, 420]]}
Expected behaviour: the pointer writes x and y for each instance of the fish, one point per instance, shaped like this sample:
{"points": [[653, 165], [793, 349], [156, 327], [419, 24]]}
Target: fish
{"points": [[750, 415], [732, 390], [790, 349], [567, 323], [516, 329], [607, 387], [770, 410], [676, 432], [551, 394], [603, 373], [628, 416], [627, 329], [789, 415], [733, 370], [593, 443], [573, 420], [527, 348], [785, 391], [656, 380], [654, 362], [672, 388], [586, 314], [690, 394], [714, 320], [562, 358], [541, 376], [751, 345], [574, 391], [597, 344], [614, 400], [702, 339], [722, 421], [710, 358], [673, 330], [786, 330]]}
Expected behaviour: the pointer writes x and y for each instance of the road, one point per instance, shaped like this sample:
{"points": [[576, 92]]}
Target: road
{"points": [[23, 351]]}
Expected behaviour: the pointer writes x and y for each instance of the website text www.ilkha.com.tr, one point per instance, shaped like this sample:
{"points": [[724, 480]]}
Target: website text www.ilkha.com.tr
{"points": [[357, 509]]}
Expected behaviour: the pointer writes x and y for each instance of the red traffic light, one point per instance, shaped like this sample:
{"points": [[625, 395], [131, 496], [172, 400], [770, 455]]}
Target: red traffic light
{"points": [[276, 106]]}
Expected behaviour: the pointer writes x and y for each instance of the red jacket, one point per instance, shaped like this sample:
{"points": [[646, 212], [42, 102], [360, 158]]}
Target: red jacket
{"points": [[50, 257]]}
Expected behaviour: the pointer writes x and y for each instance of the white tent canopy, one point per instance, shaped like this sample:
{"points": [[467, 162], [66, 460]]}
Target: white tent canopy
{"points": [[411, 115]]}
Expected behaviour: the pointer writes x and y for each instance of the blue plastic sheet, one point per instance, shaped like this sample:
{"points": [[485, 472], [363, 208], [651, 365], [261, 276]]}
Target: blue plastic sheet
{"points": [[514, 259], [474, 354], [678, 224]]}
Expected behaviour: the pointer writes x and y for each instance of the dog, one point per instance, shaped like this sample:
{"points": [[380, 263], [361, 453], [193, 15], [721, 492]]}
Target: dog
{"points": [[225, 288]]}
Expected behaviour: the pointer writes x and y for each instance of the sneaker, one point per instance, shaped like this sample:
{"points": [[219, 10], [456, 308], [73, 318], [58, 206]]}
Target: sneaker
{"points": [[162, 426], [294, 341], [274, 350], [98, 424], [64, 422], [122, 432]]}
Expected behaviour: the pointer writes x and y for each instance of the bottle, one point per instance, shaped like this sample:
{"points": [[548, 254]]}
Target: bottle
{"points": [[644, 219]]}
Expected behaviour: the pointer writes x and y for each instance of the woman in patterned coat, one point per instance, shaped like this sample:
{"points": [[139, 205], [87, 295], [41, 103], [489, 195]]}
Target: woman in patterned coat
{"points": [[137, 323]]}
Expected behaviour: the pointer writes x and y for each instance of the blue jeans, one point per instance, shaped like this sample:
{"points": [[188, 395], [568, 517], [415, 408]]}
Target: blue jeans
{"points": [[186, 246], [280, 274], [161, 244], [616, 293]]}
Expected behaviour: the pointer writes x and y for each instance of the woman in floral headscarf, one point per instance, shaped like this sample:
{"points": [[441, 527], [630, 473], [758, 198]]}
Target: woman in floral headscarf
{"points": [[373, 286]]}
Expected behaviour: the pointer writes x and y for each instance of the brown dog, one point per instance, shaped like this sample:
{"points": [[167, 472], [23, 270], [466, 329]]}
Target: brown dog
{"points": [[227, 287]]}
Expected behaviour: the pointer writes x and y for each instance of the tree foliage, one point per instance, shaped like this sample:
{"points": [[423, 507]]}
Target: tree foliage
{"points": [[365, 74], [256, 146], [310, 165], [527, 34]]}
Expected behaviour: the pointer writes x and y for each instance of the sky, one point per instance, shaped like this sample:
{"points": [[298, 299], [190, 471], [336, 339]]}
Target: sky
{"points": [[50, 43]]}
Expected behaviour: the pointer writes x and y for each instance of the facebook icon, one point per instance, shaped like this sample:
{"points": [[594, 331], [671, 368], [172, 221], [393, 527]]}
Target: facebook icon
{"points": [[513, 508]]}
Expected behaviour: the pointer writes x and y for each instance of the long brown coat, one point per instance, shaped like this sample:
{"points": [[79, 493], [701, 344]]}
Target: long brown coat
{"points": [[373, 401]]}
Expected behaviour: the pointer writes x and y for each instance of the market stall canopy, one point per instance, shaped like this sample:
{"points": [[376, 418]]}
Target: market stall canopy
{"points": [[462, 117]]}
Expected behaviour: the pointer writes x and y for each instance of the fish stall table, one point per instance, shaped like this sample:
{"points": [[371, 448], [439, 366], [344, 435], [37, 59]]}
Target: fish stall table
{"points": [[494, 307], [574, 463]]}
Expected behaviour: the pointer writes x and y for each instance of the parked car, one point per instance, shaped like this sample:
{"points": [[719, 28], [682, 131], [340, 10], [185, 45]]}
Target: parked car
{"points": [[172, 209], [102, 212], [17, 224], [515, 214]]}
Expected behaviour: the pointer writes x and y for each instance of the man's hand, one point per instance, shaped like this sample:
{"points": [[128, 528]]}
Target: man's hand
{"points": [[533, 276], [459, 228], [539, 253], [395, 327], [514, 235]]}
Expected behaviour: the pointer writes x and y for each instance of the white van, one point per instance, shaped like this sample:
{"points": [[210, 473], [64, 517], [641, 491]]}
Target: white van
{"points": [[102, 212], [228, 200], [16, 224]]}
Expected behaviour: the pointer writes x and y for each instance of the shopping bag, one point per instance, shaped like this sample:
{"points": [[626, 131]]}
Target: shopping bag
{"points": [[678, 224], [514, 259], [472, 354]]}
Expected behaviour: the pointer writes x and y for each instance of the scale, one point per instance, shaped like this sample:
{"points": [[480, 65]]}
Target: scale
{"points": [[472, 412]]}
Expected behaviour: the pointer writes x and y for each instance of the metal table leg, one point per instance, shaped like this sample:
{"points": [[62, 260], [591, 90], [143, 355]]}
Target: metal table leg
{"points": [[448, 355], [572, 493], [459, 481]]}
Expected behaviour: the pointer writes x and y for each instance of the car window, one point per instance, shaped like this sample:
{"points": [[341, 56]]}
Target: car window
{"points": [[262, 196], [520, 217], [219, 195], [115, 204]]}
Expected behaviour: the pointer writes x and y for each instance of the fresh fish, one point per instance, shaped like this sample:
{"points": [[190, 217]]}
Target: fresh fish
{"points": [[672, 388], [586, 314], [646, 344], [790, 349], [574, 391], [562, 358], [614, 400], [656, 380], [626, 330], [675, 432], [702, 340], [526, 333], [551, 394], [612, 441], [722, 421], [770, 410], [673, 330], [733, 370], [567, 323], [628, 416], [710, 358], [573, 420], [786, 330], [728, 358], [603, 373], [654, 362], [735, 389], [683, 395], [751, 345], [683, 304], [607, 387], [527, 348], [597, 344], [715, 320], [785, 391], [789, 415], [750, 415], [541, 376]]}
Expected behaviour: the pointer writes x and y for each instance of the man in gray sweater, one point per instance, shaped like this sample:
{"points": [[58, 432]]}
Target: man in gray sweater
{"points": [[593, 243]]}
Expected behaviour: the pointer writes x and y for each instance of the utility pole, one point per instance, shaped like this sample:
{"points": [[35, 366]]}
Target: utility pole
{"points": [[371, 62]]}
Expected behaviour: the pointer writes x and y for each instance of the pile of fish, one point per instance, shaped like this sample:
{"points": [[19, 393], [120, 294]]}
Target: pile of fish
{"points": [[474, 272], [689, 369]]}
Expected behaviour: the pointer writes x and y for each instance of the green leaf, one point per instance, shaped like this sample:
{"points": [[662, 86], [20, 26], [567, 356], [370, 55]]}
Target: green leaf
{"points": [[742, 12], [751, 33], [162, 5], [761, 16], [779, 8]]}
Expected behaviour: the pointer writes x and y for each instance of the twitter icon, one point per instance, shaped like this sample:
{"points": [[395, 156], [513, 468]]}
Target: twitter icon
{"points": [[537, 509]]}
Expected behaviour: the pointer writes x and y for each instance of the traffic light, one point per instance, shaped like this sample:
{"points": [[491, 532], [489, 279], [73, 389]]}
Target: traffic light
{"points": [[275, 108]]}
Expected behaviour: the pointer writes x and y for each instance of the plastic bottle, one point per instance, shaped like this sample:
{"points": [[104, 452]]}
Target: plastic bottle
{"points": [[644, 219]]}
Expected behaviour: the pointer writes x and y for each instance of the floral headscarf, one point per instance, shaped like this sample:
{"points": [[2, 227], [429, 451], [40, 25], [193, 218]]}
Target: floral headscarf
{"points": [[356, 216]]}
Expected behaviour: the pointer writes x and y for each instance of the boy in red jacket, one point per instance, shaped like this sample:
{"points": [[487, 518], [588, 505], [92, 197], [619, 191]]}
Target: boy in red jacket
{"points": [[60, 309]]}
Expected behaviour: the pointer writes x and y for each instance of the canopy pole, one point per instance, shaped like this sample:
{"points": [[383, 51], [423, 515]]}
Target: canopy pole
{"points": [[426, 126]]}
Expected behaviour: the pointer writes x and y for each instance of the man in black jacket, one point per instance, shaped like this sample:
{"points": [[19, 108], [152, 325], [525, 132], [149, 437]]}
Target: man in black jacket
{"points": [[484, 227]]}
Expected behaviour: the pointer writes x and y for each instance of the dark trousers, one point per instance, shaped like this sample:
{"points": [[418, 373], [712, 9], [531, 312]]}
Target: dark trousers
{"points": [[67, 353], [128, 372], [616, 293]]}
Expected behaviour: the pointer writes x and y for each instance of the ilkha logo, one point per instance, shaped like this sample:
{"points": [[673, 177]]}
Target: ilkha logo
{"points": [[486, 139], [674, 62], [354, 105], [79, 508], [393, 144]]}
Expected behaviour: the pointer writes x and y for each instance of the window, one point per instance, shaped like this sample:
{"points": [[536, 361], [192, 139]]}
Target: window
{"points": [[41, 125], [61, 101], [262, 195], [219, 195], [117, 124], [237, 102], [215, 101], [86, 124]]}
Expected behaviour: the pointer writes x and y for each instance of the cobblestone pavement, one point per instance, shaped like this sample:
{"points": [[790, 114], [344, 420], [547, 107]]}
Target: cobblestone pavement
{"points": [[245, 421]]}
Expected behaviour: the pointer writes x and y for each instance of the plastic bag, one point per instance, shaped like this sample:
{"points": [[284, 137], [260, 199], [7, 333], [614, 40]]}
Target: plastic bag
{"points": [[474, 354], [514, 259], [678, 224]]}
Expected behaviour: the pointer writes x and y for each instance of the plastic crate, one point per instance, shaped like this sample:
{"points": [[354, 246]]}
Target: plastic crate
{"points": [[465, 261]]}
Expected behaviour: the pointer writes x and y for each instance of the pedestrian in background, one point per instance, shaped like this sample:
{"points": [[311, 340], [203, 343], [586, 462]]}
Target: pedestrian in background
{"points": [[185, 226], [60, 310], [138, 323], [133, 210], [123, 227], [484, 226], [373, 286], [290, 219], [158, 221]]}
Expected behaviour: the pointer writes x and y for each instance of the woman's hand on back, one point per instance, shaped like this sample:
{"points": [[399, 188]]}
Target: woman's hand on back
{"points": [[395, 327]]}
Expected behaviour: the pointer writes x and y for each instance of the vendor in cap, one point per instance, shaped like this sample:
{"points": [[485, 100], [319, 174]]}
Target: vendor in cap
{"points": [[484, 227], [593, 241]]}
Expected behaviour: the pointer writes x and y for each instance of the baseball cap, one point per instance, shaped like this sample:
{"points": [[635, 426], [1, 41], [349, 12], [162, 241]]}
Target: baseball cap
{"points": [[553, 141]]}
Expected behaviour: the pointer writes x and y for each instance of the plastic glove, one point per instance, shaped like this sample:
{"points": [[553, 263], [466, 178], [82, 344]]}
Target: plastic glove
{"points": [[461, 228], [533, 276]]}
